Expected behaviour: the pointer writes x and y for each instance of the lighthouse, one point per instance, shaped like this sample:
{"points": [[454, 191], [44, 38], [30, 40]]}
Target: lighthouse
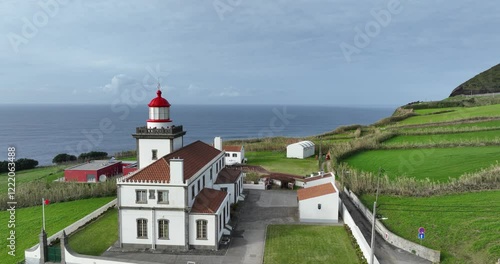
{"points": [[160, 136]]}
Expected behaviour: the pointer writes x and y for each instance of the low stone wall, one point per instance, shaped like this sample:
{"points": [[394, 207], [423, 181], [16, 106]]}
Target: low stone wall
{"points": [[363, 244], [260, 186], [430, 254], [33, 254]]}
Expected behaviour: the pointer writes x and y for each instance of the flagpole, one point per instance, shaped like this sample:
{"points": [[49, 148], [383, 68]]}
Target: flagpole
{"points": [[43, 213]]}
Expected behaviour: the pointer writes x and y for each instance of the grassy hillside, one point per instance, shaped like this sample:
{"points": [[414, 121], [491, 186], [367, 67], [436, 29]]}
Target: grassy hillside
{"points": [[437, 164], [464, 227], [48, 174], [29, 223], [485, 82], [454, 114], [487, 136]]}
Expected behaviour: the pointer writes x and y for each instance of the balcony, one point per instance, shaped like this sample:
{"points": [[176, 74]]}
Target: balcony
{"points": [[157, 131]]}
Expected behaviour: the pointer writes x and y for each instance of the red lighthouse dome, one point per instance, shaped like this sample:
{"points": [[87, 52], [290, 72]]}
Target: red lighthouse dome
{"points": [[159, 101], [159, 112]]}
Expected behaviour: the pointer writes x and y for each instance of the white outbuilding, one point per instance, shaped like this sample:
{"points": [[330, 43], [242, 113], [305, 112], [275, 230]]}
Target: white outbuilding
{"points": [[300, 150], [319, 203]]}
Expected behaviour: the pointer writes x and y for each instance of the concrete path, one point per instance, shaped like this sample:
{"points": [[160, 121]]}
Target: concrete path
{"points": [[385, 252], [259, 209]]}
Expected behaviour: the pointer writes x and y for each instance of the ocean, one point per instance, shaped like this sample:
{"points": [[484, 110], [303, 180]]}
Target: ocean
{"points": [[42, 131]]}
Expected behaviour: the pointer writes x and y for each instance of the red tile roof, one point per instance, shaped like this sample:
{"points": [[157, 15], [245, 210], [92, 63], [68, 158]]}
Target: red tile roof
{"points": [[232, 148], [318, 177], [208, 201], [227, 175], [195, 155], [315, 191]]}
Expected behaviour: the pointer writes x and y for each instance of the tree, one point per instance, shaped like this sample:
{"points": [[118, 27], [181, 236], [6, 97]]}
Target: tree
{"points": [[93, 155], [63, 157]]}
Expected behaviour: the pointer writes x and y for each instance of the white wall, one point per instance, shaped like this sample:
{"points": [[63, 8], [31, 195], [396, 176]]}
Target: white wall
{"points": [[128, 196], [309, 212], [211, 238], [128, 227], [147, 145], [233, 160], [360, 239]]}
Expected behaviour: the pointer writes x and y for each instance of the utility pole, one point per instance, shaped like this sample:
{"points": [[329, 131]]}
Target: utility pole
{"points": [[375, 218]]}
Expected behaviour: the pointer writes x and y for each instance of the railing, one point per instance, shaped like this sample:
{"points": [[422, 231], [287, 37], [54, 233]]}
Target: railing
{"points": [[171, 130]]}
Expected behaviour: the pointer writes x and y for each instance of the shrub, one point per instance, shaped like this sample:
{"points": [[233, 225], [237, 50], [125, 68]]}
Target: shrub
{"points": [[93, 155], [62, 158]]}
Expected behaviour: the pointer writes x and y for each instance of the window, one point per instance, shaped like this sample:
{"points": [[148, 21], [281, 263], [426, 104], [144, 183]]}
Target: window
{"points": [[151, 194], [142, 228], [201, 229], [224, 189], [163, 197], [235, 155], [319, 206], [227, 154], [211, 173], [199, 185], [163, 229], [140, 196], [203, 182], [193, 191], [154, 153]]}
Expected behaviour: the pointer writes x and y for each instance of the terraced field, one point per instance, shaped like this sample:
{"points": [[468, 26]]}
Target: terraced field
{"points": [[456, 114], [479, 137]]}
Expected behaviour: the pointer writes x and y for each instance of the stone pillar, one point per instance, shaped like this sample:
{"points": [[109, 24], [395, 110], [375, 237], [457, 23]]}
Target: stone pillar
{"points": [[43, 247]]}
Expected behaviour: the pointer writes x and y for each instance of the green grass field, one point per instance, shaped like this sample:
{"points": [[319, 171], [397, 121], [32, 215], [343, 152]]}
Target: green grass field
{"points": [[277, 162], [49, 173], [103, 232], [457, 114], [28, 223], [436, 163], [430, 129], [464, 227], [288, 244], [479, 136]]}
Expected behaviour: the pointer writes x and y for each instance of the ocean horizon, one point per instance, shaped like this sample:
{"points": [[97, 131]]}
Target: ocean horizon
{"points": [[42, 131]]}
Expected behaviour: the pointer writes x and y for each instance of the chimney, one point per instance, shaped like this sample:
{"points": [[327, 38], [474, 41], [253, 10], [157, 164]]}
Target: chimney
{"points": [[177, 171], [218, 143]]}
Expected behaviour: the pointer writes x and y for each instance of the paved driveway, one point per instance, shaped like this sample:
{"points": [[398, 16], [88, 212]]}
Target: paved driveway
{"points": [[259, 209]]}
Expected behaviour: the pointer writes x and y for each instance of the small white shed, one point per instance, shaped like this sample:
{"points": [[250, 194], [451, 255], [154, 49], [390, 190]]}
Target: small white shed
{"points": [[300, 150], [319, 204]]}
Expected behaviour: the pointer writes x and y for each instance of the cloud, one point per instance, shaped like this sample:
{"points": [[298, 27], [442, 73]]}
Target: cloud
{"points": [[119, 82]]}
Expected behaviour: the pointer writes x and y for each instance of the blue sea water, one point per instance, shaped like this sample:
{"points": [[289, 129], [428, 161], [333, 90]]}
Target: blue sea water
{"points": [[42, 131]]}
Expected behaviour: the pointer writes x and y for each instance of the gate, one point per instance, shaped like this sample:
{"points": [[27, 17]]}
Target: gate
{"points": [[54, 254]]}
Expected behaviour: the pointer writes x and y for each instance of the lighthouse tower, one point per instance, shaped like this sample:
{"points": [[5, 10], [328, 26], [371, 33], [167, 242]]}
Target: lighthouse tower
{"points": [[160, 136]]}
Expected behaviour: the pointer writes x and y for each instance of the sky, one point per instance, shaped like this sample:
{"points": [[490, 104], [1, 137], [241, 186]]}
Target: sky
{"points": [[303, 52]]}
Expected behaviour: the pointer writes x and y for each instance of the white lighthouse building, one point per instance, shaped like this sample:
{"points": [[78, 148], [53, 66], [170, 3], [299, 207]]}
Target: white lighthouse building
{"points": [[180, 196], [160, 136]]}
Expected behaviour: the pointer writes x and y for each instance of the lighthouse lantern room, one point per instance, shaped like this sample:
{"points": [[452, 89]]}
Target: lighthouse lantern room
{"points": [[159, 112], [160, 136]]}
